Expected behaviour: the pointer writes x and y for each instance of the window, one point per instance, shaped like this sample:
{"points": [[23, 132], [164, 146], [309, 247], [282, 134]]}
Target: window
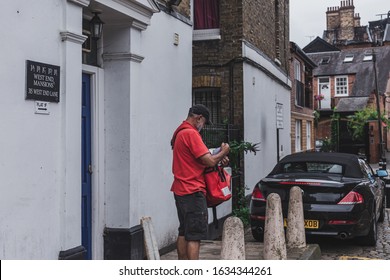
{"points": [[299, 86], [325, 60], [341, 84], [312, 167], [348, 58], [298, 129], [367, 57], [206, 14], [297, 70], [308, 135], [323, 80], [89, 48], [211, 98], [299, 93]]}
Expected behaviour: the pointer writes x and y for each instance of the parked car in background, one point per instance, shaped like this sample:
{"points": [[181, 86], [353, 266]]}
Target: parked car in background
{"points": [[318, 145], [342, 196]]}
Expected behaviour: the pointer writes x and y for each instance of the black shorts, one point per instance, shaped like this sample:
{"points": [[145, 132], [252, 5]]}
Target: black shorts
{"points": [[193, 218]]}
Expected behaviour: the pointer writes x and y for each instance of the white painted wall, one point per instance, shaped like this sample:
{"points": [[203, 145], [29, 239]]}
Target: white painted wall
{"points": [[137, 106], [36, 219], [261, 93], [142, 93], [165, 84]]}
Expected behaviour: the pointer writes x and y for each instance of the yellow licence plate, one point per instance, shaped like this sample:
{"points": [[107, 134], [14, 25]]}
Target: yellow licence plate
{"points": [[312, 224]]}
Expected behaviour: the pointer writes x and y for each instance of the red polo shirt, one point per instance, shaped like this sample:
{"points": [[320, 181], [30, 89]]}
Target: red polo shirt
{"points": [[186, 167]]}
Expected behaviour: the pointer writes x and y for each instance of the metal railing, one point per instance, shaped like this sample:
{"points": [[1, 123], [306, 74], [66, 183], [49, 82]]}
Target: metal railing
{"points": [[214, 135]]}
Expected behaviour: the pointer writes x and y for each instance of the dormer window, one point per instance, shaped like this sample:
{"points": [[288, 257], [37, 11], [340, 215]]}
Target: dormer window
{"points": [[367, 57], [348, 58], [325, 60]]}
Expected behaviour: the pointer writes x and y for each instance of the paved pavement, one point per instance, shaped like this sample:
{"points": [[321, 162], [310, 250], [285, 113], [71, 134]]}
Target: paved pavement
{"points": [[211, 250], [327, 250]]}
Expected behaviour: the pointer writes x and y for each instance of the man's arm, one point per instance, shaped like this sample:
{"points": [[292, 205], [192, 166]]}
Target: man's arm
{"points": [[212, 160]]}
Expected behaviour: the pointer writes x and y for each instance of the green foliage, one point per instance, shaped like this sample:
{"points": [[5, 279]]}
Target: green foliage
{"points": [[243, 214], [327, 145], [357, 122], [240, 209], [237, 149]]}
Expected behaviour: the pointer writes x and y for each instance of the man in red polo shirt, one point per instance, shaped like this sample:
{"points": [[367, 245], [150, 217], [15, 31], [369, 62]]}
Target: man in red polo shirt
{"points": [[190, 158]]}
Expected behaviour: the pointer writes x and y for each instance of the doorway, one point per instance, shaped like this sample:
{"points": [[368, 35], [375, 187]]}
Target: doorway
{"points": [[86, 166]]}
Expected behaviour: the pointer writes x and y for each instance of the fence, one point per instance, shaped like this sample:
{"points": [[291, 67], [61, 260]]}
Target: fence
{"points": [[214, 135]]}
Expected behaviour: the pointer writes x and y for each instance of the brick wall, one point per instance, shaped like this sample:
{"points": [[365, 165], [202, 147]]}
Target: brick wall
{"points": [[251, 20], [267, 31], [347, 23]]}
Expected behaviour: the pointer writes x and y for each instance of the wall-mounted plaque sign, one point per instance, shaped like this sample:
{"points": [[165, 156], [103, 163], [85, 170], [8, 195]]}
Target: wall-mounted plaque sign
{"points": [[43, 81]]}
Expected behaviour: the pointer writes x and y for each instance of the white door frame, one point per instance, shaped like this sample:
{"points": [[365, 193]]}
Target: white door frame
{"points": [[98, 155]]}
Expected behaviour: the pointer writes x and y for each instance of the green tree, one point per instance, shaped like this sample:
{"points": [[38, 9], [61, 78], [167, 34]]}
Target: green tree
{"points": [[358, 121]]}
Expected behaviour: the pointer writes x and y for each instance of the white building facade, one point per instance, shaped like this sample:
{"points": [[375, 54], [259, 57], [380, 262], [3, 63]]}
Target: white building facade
{"points": [[85, 147], [267, 115]]}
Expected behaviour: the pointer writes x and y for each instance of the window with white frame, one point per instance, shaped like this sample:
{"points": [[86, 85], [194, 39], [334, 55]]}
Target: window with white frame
{"points": [[367, 57], [206, 20], [308, 135], [297, 70], [341, 86], [348, 58], [298, 138]]}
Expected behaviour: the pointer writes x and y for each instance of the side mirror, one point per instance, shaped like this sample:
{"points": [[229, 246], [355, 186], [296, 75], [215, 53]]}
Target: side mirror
{"points": [[381, 173]]}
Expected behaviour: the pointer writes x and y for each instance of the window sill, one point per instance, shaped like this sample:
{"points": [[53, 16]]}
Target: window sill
{"points": [[206, 34]]}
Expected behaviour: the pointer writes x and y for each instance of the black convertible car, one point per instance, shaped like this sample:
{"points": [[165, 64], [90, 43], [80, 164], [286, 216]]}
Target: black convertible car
{"points": [[342, 196]]}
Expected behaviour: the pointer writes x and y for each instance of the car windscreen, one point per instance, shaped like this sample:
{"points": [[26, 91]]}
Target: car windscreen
{"points": [[312, 167]]}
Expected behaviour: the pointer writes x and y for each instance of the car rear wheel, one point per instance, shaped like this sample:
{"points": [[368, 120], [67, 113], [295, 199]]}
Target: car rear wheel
{"points": [[259, 236], [371, 238]]}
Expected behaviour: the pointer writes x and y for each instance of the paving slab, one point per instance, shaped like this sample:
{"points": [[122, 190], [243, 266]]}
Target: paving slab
{"points": [[211, 250]]}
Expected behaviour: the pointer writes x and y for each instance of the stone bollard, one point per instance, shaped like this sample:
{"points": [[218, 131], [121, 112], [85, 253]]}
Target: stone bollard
{"points": [[274, 240], [295, 221], [151, 247], [233, 243]]}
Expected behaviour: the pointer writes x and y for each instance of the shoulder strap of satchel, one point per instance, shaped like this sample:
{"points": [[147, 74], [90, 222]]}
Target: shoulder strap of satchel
{"points": [[174, 136]]}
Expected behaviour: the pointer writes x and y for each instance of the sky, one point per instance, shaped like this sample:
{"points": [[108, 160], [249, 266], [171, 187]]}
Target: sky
{"points": [[308, 17]]}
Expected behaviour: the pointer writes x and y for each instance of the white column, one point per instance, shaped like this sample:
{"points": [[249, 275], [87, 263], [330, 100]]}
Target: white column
{"points": [[70, 102]]}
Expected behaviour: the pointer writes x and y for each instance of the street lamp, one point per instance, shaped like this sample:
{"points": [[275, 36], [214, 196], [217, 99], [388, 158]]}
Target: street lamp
{"points": [[382, 161], [96, 27]]}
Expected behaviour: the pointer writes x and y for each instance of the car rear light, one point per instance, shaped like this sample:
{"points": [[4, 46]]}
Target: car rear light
{"points": [[257, 194], [342, 222], [256, 217], [352, 198]]}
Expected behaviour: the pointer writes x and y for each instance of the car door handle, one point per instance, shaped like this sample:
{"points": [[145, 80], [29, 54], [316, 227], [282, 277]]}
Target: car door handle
{"points": [[90, 168]]}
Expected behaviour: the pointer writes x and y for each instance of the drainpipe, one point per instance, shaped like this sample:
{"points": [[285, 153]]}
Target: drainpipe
{"points": [[382, 160]]}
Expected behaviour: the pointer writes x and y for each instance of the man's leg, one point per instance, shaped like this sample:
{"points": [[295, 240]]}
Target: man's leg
{"points": [[182, 248], [193, 250]]}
